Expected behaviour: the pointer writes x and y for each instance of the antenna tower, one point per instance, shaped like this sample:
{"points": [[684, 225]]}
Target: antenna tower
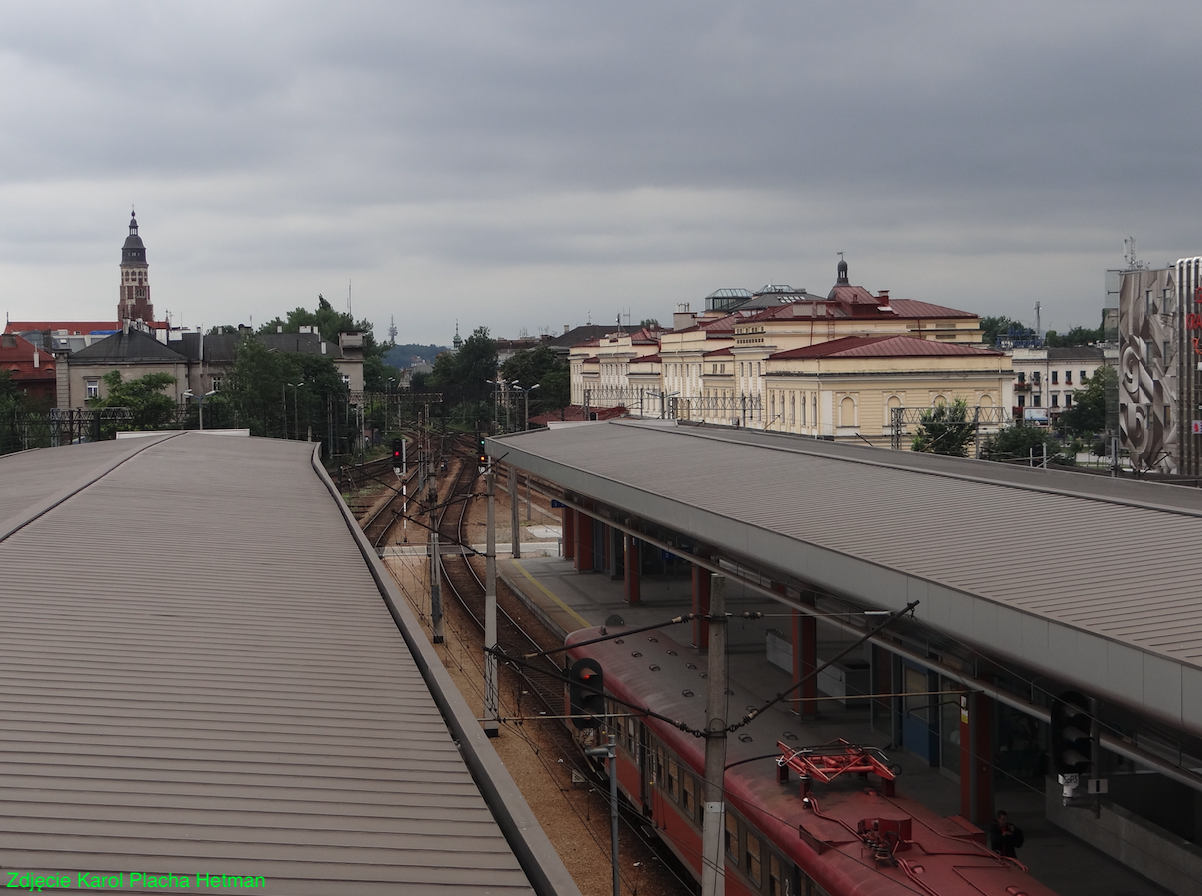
{"points": [[392, 330]]}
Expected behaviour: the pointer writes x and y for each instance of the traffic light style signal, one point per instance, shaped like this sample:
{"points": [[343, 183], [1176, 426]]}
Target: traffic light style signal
{"points": [[1071, 744], [481, 454], [586, 692], [396, 450]]}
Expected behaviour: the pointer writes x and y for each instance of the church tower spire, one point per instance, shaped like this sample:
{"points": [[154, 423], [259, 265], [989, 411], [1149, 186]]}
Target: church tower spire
{"points": [[134, 302]]}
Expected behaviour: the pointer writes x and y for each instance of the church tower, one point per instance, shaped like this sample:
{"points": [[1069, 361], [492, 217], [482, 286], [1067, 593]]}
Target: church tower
{"points": [[134, 304]]}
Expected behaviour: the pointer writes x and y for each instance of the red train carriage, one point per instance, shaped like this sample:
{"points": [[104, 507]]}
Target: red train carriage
{"points": [[829, 835]]}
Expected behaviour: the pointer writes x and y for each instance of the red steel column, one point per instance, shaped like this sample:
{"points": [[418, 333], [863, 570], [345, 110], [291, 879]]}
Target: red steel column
{"points": [[569, 533], [805, 657], [701, 604], [976, 764], [631, 564], [584, 542]]}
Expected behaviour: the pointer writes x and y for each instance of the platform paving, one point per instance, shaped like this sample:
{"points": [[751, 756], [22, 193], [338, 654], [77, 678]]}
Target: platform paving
{"points": [[568, 600]]}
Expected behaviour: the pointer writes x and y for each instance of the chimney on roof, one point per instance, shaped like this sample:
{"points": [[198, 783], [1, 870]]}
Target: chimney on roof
{"points": [[566, 328]]}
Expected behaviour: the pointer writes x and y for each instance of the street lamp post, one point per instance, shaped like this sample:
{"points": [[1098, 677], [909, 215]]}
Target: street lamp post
{"points": [[295, 408], [200, 404], [526, 396]]}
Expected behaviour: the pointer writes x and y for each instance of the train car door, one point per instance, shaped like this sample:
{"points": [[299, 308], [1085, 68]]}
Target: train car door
{"points": [[641, 752]]}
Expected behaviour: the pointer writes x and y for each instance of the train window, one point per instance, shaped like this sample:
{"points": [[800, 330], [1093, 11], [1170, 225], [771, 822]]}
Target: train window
{"points": [[688, 796], [752, 865], [658, 771], [776, 883], [673, 779], [629, 724], [732, 837]]}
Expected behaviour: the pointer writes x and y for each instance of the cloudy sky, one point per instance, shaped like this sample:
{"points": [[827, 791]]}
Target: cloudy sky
{"points": [[525, 165]]}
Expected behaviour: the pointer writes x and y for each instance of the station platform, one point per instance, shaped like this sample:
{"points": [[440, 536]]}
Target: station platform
{"points": [[567, 600]]}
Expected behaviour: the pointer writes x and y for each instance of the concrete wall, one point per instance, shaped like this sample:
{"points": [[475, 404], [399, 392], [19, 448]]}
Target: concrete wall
{"points": [[1140, 845]]}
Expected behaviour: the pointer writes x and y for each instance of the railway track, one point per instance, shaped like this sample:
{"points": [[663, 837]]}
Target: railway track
{"points": [[535, 692], [464, 574]]}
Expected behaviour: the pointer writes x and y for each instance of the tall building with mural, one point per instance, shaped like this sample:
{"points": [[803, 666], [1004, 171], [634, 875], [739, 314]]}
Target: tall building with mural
{"points": [[1160, 325]]}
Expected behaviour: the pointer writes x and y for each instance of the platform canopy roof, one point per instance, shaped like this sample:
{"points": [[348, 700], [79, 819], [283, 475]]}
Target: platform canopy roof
{"points": [[207, 672], [1089, 580]]}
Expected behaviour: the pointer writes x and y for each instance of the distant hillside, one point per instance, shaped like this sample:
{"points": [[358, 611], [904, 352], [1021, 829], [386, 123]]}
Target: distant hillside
{"points": [[402, 356]]}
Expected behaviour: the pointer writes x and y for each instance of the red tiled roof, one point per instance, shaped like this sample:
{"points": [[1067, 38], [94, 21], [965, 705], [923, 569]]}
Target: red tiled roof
{"points": [[719, 351], [897, 346], [72, 327], [575, 413], [913, 308], [652, 358]]}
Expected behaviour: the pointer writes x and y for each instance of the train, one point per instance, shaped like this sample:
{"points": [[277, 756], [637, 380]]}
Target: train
{"points": [[801, 819]]}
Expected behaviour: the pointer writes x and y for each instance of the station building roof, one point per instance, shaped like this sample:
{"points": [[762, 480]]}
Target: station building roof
{"points": [[207, 671], [1086, 579]]}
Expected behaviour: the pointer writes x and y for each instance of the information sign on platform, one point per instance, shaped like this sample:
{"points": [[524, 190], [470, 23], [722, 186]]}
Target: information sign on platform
{"points": [[1197, 426], [555, 502]]}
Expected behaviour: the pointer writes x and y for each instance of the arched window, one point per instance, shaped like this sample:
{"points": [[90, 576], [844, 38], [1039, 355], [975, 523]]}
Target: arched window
{"points": [[847, 412], [986, 400]]}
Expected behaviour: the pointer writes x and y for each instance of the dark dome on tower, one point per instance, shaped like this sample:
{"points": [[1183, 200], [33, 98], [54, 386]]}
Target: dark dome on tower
{"points": [[133, 252], [842, 271]]}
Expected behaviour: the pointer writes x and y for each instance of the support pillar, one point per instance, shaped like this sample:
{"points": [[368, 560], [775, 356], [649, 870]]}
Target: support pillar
{"points": [[631, 564], [584, 542], [515, 526], [805, 658], [701, 604], [976, 751], [569, 533]]}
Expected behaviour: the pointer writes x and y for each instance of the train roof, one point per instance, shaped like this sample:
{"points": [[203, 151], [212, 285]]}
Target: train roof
{"points": [[652, 670]]}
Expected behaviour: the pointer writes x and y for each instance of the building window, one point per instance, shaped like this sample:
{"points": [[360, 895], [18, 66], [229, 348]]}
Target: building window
{"points": [[1037, 400], [1022, 376], [1055, 400], [216, 384], [847, 412], [1068, 400], [1055, 377], [93, 387], [1068, 377], [1083, 377], [346, 380], [1022, 401]]}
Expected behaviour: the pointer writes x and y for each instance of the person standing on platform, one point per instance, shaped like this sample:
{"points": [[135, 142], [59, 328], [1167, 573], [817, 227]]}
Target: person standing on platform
{"points": [[1004, 837]]}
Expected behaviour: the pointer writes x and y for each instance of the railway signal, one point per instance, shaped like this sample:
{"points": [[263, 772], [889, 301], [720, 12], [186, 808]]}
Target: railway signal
{"points": [[481, 454], [1071, 743], [586, 696], [397, 448]]}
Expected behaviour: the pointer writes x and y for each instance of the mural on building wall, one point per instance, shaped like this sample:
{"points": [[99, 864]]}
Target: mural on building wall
{"points": [[1148, 391]]}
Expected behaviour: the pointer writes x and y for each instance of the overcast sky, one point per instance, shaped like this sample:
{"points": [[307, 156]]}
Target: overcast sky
{"points": [[526, 165]]}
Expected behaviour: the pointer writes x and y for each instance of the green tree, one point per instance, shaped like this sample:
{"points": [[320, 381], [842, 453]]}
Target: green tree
{"points": [[1075, 336], [543, 368], [648, 322], [471, 367], [144, 397], [284, 394], [945, 429], [1016, 442], [1088, 414], [991, 327], [329, 322]]}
